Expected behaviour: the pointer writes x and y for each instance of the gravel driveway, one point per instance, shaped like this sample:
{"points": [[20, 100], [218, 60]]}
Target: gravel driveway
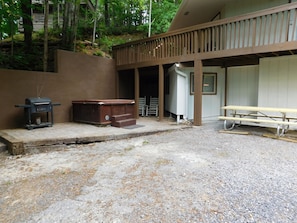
{"points": [[190, 175]]}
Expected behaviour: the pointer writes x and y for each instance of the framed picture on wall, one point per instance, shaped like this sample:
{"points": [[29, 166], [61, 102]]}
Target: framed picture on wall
{"points": [[209, 84]]}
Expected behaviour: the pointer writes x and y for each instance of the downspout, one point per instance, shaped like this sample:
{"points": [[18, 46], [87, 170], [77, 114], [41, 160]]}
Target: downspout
{"points": [[186, 89]]}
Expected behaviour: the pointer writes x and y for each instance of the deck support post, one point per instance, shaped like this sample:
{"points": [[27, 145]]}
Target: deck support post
{"points": [[161, 92], [198, 79], [117, 84], [226, 89], [136, 92]]}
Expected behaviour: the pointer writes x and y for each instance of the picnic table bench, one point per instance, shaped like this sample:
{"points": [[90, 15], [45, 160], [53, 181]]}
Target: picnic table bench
{"points": [[281, 117]]}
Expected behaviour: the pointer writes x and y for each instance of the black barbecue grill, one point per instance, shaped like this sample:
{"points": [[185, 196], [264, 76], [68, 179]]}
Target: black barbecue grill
{"points": [[35, 109]]}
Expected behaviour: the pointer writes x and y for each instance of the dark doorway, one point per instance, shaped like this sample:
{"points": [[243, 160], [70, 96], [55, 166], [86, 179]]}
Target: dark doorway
{"points": [[149, 82], [126, 84]]}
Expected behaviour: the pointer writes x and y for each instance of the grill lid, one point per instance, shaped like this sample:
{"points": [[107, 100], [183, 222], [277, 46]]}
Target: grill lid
{"points": [[37, 101]]}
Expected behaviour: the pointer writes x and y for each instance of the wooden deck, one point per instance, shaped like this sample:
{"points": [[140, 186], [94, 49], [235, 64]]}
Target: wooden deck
{"points": [[227, 42], [240, 40]]}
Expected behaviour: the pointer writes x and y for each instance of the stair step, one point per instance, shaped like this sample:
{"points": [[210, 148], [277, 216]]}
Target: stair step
{"points": [[125, 122], [121, 117]]}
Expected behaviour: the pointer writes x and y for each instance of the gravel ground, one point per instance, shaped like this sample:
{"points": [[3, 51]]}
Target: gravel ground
{"points": [[190, 175]]}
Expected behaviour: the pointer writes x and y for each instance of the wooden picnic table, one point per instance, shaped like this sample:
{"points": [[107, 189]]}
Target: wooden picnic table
{"points": [[281, 117]]}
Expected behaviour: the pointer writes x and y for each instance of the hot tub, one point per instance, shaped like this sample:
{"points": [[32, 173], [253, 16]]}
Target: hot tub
{"points": [[100, 112]]}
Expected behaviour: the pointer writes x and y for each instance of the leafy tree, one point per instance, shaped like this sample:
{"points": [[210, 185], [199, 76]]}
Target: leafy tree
{"points": [[9, 13], [101, 18], [160, 20]]}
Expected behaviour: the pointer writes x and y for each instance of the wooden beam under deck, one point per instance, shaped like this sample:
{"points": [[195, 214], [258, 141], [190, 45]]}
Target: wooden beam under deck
{"points": [[232, 57]]}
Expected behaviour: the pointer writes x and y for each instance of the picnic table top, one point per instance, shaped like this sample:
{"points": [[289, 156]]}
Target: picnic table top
{"points": [[256, 108]]}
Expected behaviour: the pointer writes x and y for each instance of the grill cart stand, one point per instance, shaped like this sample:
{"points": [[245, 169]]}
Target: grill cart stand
{"points": [[38, 106]]}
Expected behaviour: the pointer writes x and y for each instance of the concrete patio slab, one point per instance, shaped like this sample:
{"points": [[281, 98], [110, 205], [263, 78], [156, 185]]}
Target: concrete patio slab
{"points": [[22, 141]]}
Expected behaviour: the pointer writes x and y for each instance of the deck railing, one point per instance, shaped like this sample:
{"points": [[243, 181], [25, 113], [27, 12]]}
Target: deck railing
{"points": [[271, 26]]}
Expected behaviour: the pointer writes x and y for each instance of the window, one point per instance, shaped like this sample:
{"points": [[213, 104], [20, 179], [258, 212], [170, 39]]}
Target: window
{"points": [[209, 85]]}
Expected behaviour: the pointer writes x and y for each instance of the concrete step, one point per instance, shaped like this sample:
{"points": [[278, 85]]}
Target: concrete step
{"points": [[115, 118], [125, 122]]}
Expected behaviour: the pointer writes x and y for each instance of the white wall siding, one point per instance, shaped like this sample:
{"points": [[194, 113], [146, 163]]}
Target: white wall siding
{"points": [[242, 85], [211, 104], [278, 82], [179, 82]]}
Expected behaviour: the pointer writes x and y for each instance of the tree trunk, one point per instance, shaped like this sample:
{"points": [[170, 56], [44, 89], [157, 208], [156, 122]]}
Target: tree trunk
{"points": [[12, 39], [1, 33], [56, 14], [95, 22], [106, 13], [70, 23], [65, 29], [45, 52], [26, 6], [74, 23]]}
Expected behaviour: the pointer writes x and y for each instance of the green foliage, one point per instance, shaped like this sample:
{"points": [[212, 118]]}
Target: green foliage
{"points": [[117, 22], [9, 14], [132, 16], [98, 53], [54, 35], [160, 20], [107, 42], [21, 60]]}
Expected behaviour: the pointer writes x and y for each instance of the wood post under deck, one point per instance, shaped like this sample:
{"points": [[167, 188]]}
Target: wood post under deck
{"points": [[198, 78], [117, 84], [136, 92], [161, 92]]}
